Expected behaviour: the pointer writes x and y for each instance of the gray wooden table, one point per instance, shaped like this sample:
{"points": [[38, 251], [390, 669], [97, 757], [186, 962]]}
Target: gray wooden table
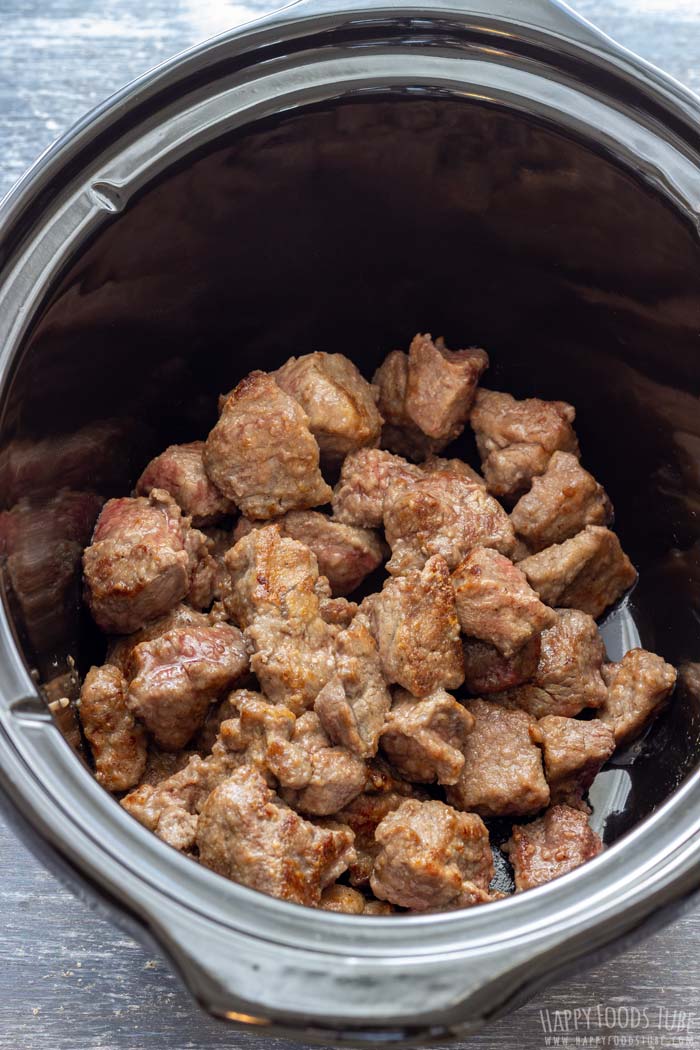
{"points": [[69, 979]]}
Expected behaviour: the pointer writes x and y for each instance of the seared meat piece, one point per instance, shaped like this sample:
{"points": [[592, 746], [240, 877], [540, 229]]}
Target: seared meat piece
{"points": [[345, 553], [340, 403], [574, 752], [365, 478], [424, 739], [440, 386], [119, 649], [452, 466], [443, 514], [399, 433], [488, 671], [509, 471], [432, 857], [502, 774], [552, 846], [560, 503], [353, 705], [528, 698], [338, 612], [273, 593], [180, 471], [137, 567], [205, 571], [495, 602], [590, 571], [639, 687], [344, 899], [570, 662], [517, 438], [176, 676], [261, 454], [414, 621], [337, 775], [117, 742], [263, 735], [362, 816], [248, 834]]}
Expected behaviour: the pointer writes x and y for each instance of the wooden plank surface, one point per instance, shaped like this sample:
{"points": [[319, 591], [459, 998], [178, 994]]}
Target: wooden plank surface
{"points": [[67, 978]]}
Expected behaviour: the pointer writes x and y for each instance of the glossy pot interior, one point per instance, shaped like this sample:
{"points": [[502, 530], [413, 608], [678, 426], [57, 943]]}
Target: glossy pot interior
{"points": [[347, 225]]}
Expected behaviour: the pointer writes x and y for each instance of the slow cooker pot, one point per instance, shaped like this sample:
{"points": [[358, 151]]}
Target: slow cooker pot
{"points": [[340, 176]]}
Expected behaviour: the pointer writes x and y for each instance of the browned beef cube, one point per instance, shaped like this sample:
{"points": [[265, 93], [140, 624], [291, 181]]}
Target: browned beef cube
{"points": [[119, 649], [362, 816], [117, 741], [205, 571], [399, 433], [353, 705], [268, 573], [365, 478], [248, 834], [338, 612], [440, 386], [517, 438], [424, 739], [560, 503], [180, 471], [414, 621], [488, 671], [344, 899], [502, 773], [574, 752], [528, 697], [337, 775], [345, 553], [176, 676], [452, 466], [432, 857], [443, 514], [263, 736], [495, 602], [509, 471], [137, 567], [570, 663], [639, 687], [590, 571], [262, 454], [340, 403], [552, 846]]}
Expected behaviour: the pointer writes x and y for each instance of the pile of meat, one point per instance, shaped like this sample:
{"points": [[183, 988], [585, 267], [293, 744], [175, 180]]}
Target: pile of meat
{"points": [[349, 754]]}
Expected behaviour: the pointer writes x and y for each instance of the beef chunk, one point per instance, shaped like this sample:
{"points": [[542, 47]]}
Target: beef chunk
{"points": [[639, 686], [119, 649], [117, 742], [399, 433], [440, 386], [337, 775], [502, 774], [338, 612], [432, 857], [508, 472], [344, 899], [263, 735], [495, 602], [340, 403], [261, 454], [137, 567], [175, 677], [424, 739], [273, 593], [443, 514], [574, 752], [517, 438], [560, 503], [488, 671], [590, 571], [345, 553], [414, 621], [452, 466], [571, 658], [180, 471], [365, 478], [248, 834], [353, 705], [552, 846], [205, 572]]}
